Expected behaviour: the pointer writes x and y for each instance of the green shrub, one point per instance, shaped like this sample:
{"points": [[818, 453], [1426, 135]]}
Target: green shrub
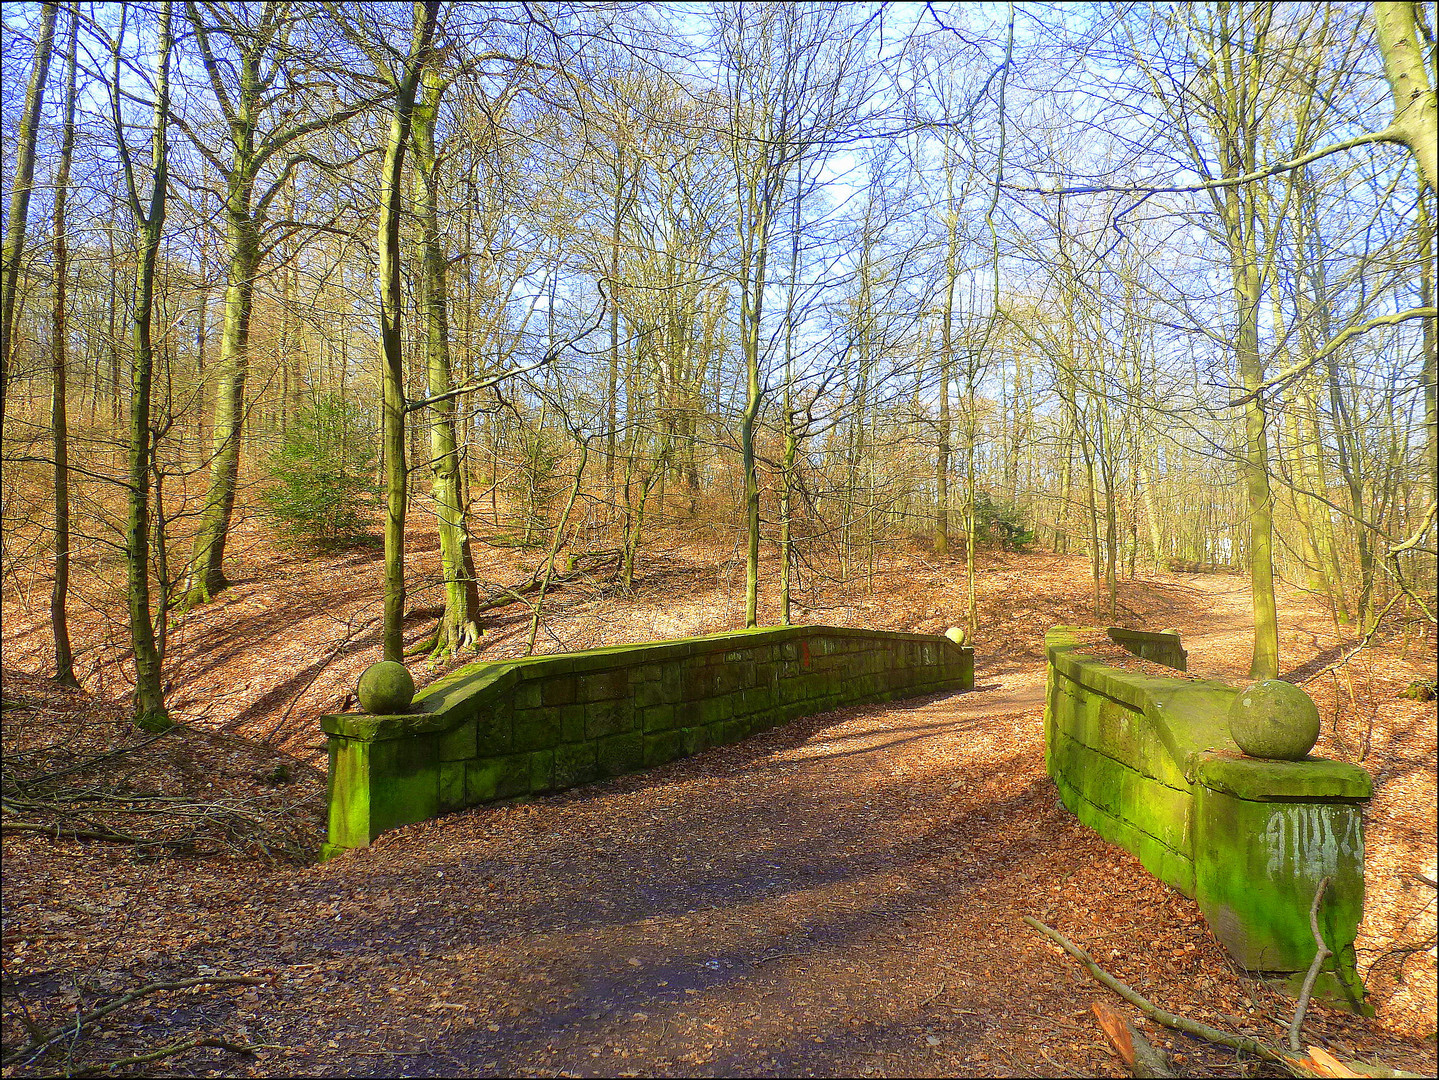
{"points": [[323, 491], [1002, 522]]}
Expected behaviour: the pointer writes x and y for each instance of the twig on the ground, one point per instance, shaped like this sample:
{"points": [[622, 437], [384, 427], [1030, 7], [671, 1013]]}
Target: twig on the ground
{"points": [[350, 631], [71, 833], [1321, 954], [1359, 646], [931, 999]]}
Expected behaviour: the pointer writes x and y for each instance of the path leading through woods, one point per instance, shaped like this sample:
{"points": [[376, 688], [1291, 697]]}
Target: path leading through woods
{"points": [[841, 896]]}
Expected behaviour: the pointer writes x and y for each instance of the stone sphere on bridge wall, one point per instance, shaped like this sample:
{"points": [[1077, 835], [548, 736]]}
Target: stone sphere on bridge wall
{"points": [[1274, 719], [385, 688], [957, 635]]}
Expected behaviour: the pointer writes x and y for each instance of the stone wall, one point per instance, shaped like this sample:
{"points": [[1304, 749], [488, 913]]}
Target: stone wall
{"points": [[1148, 762], [544, 723]]}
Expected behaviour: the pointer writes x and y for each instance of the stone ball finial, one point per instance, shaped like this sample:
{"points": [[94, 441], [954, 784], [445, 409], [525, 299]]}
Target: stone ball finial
{"points": [[1274, 719], [958, 635], [1170, 630], [385, 688]]}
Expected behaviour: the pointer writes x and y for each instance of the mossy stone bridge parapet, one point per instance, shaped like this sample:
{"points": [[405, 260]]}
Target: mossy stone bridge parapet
{"points": [[1148, 762], [544, 723]]}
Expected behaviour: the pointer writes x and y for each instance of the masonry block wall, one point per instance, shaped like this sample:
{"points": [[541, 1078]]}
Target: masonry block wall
{"points": [[544, 723], [1148, 763]]}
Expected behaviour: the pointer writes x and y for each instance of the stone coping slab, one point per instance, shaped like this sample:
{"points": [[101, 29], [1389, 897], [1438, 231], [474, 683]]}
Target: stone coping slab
{"points": [[438, 707]]}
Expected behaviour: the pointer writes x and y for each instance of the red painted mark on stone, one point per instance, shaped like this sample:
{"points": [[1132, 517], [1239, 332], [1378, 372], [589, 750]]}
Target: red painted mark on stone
{"points": [[804, 652]]}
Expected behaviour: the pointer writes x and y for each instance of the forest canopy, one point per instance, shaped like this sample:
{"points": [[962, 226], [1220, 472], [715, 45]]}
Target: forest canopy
{"points": [[1148, 282]]}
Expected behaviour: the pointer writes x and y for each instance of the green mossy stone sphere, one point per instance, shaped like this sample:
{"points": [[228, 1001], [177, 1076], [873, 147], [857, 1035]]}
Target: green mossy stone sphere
{"points": [[385, 689], [957, 635], [1274, 719]]}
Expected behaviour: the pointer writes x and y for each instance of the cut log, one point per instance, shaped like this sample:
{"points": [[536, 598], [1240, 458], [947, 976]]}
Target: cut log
{"points": [[1139, 1055]]}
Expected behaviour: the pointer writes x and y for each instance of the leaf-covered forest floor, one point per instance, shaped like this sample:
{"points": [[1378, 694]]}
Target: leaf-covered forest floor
{"points": [[840, 896]]}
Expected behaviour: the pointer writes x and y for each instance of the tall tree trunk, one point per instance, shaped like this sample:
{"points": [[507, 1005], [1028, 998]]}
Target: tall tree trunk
{"points": [[611, 403], [207, 576], [751, 308], [20, 189], [64, 658], [1255, 468], [791, 434], [946, 380], [391, 341], [458, 629], [149, 706], [1431, 361]]}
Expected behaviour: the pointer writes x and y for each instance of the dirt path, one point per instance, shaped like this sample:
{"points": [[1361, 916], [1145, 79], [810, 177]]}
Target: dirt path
{"points": [[842, 896]]}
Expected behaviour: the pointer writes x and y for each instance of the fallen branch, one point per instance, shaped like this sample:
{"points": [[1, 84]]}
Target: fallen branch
{"points": [[34, 1047], [1321, 954], [1257, 1047], [70, 833], [164, 1052], [32, 781], [350, 632]]}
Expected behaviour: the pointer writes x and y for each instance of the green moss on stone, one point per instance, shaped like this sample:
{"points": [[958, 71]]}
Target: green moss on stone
{"points": [[606, 718], [657, 718], [453, 791], [575, 763], [1259, 779], [1258, 866], [695, 739], [459, 743], [1274, 719], [559, 690], [536, 729], [542, 771], [385, 688], [494, 729], [662, 746], [620, 753]]}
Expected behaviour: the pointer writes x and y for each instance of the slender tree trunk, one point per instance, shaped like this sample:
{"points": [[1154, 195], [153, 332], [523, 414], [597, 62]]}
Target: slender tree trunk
{"points": [[1255, 467], [751, 307], [458, 629], [207, 576], [946, 380], [391, 341], [64, 658], [584, 445], [149, 706], [1151, 511], [1431, 361], [611, 404], [20, 189]]}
